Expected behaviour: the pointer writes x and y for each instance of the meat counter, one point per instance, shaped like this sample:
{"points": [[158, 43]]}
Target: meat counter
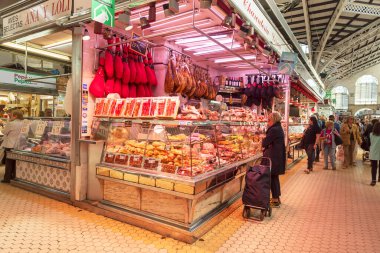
{"points": [[184, 176], [42, 156]]}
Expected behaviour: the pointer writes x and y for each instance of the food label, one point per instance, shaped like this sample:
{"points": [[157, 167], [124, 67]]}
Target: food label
{"points": [[136, 158], [40, 129]]}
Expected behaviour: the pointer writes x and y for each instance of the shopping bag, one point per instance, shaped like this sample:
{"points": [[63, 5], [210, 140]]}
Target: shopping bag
{"points": [[340, 153]]}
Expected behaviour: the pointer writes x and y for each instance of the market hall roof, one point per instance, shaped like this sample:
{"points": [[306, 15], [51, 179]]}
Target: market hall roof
{"points": [[343, 35]]}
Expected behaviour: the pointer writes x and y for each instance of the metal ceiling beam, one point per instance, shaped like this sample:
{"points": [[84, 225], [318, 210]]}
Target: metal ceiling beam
{"points": [[333, 20], [307, 26], [363, 8], [353, 40]]}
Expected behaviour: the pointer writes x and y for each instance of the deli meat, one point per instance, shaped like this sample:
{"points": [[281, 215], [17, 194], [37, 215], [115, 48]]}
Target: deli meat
{"points": [[132, 90], [132, 67], [98, 84], [153, 78], [109, 86], [118, 66], [138, 79], [109, 61], [117, 87]]}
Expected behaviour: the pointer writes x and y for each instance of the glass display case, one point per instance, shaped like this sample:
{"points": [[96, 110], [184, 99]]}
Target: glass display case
{"points": [[295, 135], [46, 137], [180, 148]]}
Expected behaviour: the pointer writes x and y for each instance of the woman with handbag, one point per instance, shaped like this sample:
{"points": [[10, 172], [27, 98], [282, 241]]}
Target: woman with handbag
{"points": [[274, 148], [329, 146]]}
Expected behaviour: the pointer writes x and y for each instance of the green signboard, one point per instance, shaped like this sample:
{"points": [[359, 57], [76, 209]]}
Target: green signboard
{"points": [[103, 11], [328, 94]]}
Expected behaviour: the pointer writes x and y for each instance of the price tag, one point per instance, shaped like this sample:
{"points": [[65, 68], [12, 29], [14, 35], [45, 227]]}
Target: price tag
{"points": [[57, 127], [128, 123], [25, 128], [40, 129], [145, 124]]}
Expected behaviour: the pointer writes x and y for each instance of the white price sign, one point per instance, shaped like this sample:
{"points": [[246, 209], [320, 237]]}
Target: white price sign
{"points": [[25, 127], [40, 129], [57, 127]]}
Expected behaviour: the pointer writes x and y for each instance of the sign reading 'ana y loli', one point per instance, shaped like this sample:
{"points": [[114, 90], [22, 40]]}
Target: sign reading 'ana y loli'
{"points": [[36, 15], [103, 11]]}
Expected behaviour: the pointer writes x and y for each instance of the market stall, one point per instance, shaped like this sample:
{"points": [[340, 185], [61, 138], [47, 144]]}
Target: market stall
{"points": [[178, 114]]}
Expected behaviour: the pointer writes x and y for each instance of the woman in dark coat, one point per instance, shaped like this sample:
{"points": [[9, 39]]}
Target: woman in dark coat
{"points": [[274, 148]]}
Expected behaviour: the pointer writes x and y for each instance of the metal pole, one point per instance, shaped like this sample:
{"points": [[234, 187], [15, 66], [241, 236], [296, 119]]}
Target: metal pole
{"points": [[287, 109], [26, 59], [76, 70]]}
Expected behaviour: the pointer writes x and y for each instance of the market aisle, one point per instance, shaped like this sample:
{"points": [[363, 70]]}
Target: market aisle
{"points": [[326, 211]]}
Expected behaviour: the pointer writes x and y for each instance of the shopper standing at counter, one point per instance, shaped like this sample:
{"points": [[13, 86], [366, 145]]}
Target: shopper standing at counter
{"points": [[350, 136], [310, 140], [274, 148], [11, 133]]}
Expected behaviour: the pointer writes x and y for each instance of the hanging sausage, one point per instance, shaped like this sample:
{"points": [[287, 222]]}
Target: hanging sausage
{"points": [[126, 74], [118, 62]]}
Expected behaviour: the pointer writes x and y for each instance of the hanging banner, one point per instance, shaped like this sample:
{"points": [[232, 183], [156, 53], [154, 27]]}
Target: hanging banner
{"points": [[252, 13], [37, 15], [18, 78]]}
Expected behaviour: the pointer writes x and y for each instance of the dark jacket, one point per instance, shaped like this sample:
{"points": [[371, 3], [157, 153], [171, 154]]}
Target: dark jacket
{"points": [[274, 148]]}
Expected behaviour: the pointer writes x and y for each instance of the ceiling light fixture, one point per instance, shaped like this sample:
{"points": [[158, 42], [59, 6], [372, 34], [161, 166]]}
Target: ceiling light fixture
{"points": [[205, 4], [144, 12], [232, 59], [144, 23], [192, 34], [37, 51], [58, 44], [215, 50], [125, 18], [199, 23], [196, 39], [230, 20], [179, 17], [86, 35]]}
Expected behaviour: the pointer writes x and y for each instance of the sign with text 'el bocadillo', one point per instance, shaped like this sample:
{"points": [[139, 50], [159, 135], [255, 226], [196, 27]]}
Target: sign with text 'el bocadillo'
{"points": [[37, 15]]}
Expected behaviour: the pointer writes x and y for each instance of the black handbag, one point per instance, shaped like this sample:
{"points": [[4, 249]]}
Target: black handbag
{"points": [[338, 140]]}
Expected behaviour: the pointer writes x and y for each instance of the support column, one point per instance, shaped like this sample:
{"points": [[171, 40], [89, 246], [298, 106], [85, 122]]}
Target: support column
{"points": [[76, 70]]}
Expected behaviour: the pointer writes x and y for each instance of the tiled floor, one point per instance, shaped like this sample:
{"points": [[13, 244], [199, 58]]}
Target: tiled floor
{"points": [[326, 211]]}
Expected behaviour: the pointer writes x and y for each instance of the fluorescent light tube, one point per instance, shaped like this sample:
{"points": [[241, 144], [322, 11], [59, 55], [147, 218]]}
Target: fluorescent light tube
{"points": [[58, 44], [172, 19], [37, 51], [208, 44], [215, 50], [198, 23], [192, 34], [222, 60], [196, 39]]}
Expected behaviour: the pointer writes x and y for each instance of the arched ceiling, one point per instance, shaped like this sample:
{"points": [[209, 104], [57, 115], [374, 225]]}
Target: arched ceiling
{"points": [[344, 35]]}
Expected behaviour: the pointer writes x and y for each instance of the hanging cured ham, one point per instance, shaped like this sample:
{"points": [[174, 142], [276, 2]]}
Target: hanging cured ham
{"points": [[132, 67], [126, 75], [109, 60], [98, 84], [117, 87], [153, 78], [118, 63], [109, 87]]}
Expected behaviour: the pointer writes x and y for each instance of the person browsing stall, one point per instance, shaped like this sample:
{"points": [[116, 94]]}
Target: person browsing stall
{"points": [[350, 136], [11, 134], [310, 140], [328, 144], [274, 148]]}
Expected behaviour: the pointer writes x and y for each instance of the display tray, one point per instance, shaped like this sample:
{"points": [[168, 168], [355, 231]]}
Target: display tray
{"points": [[174, 183]]}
